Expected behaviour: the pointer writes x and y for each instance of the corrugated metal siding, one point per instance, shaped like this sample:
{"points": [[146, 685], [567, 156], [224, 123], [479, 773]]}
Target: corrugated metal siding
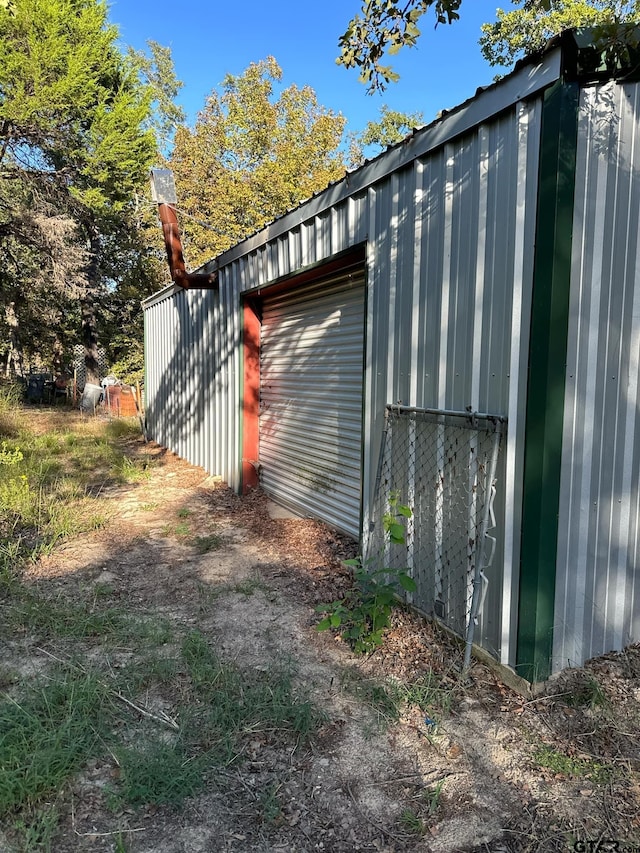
{"points": [[191, 378], [599, 543], [311, 379], [450, 268], [449, 241]]}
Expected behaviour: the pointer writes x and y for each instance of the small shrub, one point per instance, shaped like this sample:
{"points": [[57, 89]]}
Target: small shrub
{"points": [[363, 614]]}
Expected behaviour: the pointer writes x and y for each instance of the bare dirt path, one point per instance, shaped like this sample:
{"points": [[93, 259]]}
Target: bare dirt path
{"points": [[472, 767]]}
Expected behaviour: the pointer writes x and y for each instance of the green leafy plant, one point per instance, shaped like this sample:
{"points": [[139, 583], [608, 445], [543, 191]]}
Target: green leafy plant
{"points": [[10, 456], [363, 614]]}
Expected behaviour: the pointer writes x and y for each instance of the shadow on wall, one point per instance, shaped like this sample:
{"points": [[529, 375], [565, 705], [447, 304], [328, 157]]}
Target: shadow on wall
{"points": [[192, 364], [195, 385], [599, 533]]}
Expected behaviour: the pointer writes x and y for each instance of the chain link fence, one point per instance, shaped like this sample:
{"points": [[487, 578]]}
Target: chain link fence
{"points": [[443, 466]]}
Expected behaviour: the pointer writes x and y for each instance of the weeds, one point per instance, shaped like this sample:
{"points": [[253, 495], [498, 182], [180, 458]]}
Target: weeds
{"points": [[204, 544], [249, 586], [62, 619], [588, 694], [47, 735], [38, 831], [54, 728], [271, 806], [363, 614], [159, 773], [412, 823], [428, 694], [565, 765], [45, 487], [238, 704], [383, 698], [132, 470], [432, 797]]}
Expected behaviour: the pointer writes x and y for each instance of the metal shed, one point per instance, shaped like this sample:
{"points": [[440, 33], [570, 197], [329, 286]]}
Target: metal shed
{"points": [[486, 264]]}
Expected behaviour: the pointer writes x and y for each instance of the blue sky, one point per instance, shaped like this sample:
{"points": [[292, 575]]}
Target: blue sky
{"points": [[210, 39]]}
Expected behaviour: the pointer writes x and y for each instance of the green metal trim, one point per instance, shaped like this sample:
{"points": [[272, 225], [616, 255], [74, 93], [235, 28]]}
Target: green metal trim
{"points": [[546, 381]]}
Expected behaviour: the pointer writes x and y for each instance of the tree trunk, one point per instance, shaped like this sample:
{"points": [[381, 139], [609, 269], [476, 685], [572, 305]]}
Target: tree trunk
{"points": [[87, 306]]}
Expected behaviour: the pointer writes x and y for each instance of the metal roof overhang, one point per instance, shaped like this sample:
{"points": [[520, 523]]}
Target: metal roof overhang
{"points": [[524, 82], [165, 293], [521, 84]]}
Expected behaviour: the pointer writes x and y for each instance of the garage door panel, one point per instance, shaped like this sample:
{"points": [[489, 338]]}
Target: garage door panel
{"points": [[311, 366]]}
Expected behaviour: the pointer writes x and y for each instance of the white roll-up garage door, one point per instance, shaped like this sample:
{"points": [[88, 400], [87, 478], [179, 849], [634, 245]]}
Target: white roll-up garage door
{"points": [[311, 385]]}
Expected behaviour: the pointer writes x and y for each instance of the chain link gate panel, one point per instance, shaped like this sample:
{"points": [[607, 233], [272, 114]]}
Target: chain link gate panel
{"points": [[443, 466]]}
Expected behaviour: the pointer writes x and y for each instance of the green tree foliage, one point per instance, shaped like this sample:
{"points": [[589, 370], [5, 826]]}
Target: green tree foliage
{"points": [[384, 27], [76, 143], [527, 28], [391, 128], [157, 72], [250, 157]]}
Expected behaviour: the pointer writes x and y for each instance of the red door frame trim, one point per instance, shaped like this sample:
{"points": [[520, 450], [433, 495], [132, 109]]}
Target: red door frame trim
{"points": [[251, 330], [251, 397]]}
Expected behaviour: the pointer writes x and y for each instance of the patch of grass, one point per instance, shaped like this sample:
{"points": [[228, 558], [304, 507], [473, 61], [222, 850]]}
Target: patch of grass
{"points": [[38, 831], [123, 428], [181, 530], [412, 823], [130, 470], [159, 772], [152, 670], [119, 845], [270, 804], [10, 412], [565, 765], [47, 735], [149, 506], [8, 676], [184, 513], [53, 728], [238, 703], [204, 544], [60, 619], [44, 480], [588, 694], [385, 699], [11, 555], [102, 590], [432, 797], [429, 694], [208, 593], [250, 585]]}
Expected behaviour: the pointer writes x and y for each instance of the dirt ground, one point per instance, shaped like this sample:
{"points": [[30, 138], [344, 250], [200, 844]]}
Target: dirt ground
{"points": [[486, 770]]}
